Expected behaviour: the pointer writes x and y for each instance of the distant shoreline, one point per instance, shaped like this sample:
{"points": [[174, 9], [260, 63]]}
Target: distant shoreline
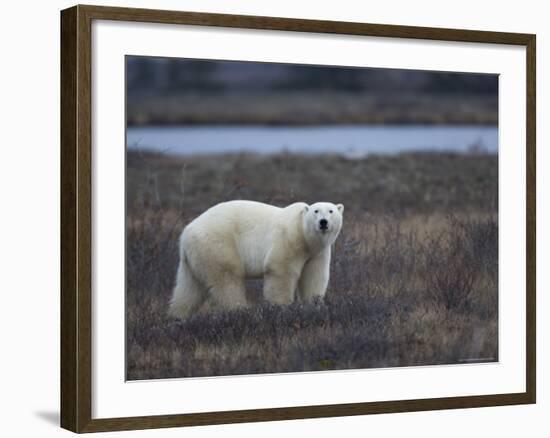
{"points": [[276, 124], [310, 109]]}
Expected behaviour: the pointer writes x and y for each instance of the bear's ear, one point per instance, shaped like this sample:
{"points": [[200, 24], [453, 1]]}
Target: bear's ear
{"points": [[340, 208], [306, 209]]}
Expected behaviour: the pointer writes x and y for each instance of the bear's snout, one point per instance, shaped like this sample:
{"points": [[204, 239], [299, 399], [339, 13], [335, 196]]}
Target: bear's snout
{"points": [[323, 224]]}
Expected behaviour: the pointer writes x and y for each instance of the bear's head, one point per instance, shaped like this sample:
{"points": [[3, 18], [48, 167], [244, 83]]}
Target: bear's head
{"points": [[322, 223]]}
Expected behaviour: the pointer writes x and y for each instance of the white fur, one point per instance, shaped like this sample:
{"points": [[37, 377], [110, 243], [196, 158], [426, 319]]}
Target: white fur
{"points": [[236, 240]]}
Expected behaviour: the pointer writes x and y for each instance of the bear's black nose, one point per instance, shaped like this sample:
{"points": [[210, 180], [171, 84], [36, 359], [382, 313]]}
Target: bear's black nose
{"points": [[323, 224]]}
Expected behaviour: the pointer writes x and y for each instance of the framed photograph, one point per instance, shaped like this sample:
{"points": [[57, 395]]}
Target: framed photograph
{"points": [[269, 218]]}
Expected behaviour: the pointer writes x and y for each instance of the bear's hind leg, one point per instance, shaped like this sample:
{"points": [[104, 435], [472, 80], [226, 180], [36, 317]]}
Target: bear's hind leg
{"points": [[230, 293], [188, 294]]}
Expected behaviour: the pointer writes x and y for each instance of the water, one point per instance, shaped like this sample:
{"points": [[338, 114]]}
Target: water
{"points": [[349, 140]]}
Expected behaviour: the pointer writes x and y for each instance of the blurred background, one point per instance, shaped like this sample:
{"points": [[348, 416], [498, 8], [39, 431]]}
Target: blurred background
{"points": [[201, 106]]}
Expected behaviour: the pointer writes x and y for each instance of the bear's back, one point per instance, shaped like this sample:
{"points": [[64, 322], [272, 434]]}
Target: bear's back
{"points": [[241, 213], [234, 230], [234, 218]]}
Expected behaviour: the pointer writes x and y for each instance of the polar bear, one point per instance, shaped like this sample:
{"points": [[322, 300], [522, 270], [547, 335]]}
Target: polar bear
{"points": [[237, 240]]}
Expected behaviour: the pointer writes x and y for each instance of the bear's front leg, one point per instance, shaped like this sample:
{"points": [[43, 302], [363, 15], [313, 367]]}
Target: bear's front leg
{"points": [[280, 285], [314, 278]]}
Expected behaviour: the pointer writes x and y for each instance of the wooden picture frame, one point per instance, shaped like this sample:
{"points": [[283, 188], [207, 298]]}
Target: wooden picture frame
{"points": [[76, 218]]}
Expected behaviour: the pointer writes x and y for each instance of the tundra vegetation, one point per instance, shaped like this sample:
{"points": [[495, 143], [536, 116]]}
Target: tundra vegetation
{"points": [[414, 276]]}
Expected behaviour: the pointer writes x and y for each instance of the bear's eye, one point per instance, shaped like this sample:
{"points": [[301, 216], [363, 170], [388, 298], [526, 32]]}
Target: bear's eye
{"points": [[330, 211], [316, 211]]}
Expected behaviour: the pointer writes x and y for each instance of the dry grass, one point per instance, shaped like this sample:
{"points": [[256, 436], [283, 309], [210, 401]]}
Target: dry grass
{"points": [[412, 283]]}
